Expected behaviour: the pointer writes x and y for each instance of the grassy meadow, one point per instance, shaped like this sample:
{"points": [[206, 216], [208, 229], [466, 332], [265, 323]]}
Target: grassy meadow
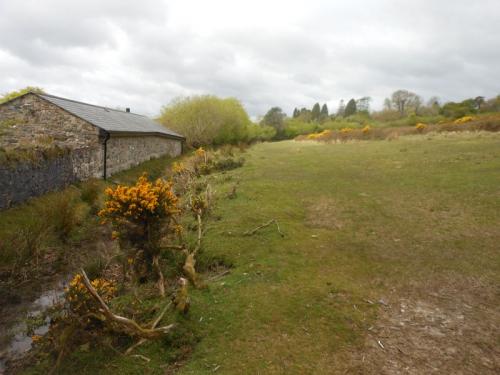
{"points": [[389, 261]]}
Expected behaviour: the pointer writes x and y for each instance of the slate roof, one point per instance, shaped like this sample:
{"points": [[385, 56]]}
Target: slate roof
{"points": [[111, 120]]}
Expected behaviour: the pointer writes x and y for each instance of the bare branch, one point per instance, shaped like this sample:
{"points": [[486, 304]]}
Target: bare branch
{"points": [[255, 230], [127, 324]]}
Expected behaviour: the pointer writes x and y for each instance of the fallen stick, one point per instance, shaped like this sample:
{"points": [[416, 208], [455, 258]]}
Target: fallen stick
{"points": [[215, 277], [127, 324], [198, 245], [140, 356], [255, 230]]}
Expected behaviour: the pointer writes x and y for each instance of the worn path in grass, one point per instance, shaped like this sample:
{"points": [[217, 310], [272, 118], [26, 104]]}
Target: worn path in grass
{"points": [[390, 261]]}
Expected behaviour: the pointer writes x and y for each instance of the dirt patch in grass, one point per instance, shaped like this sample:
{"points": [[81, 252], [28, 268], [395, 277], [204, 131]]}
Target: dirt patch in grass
{"points": [[446, 326], [323, 213]]}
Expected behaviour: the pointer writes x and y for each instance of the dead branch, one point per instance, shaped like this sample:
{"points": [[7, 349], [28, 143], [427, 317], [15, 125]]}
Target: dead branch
{"points": [[155, 323], [198, 245], [255, 230], [128, 325], [215, 277], [190, 270], [161, 279], [181, 300], [140, 356]]}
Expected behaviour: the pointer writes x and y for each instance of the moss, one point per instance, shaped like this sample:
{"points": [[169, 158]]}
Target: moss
{"points": [[12, 158]]}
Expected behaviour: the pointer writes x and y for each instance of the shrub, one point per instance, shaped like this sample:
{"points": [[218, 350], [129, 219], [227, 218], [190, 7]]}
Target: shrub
{"points": [[79, 300], [420, 127], [142, 215], [90, 193], [62, 211], [207, 120], [463, 120]]}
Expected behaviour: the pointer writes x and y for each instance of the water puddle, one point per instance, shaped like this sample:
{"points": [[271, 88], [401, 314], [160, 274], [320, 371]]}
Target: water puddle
{"points": [[20, 342]]}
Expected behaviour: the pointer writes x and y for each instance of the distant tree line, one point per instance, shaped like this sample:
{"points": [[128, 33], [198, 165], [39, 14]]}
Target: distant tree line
{"points": [[403, 107]]}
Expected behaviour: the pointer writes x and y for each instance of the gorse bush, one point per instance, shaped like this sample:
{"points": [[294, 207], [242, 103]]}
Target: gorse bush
{"points": [[143, 215], [79, 300]]}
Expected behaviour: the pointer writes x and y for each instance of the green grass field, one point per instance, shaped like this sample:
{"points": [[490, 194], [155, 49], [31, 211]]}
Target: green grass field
{"points": [[390, 260]]}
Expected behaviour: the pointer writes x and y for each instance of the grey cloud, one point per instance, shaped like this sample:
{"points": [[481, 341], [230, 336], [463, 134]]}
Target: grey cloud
{"points": [[144, 54]]}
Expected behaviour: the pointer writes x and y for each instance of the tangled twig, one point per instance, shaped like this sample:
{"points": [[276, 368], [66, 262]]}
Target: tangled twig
{"points": [[128, 325], [155, 323]]}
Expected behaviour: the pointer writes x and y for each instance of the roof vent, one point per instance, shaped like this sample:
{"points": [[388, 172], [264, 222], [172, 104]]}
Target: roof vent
{"points": [[127, 110]]}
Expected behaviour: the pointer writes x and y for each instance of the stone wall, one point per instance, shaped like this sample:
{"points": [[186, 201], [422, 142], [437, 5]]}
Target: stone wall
{"points": [[125, 152], [29, 179], [30, 120]]}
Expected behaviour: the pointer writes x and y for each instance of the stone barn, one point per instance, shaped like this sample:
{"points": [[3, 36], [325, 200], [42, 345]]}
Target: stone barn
{"points": [[98, 142]]}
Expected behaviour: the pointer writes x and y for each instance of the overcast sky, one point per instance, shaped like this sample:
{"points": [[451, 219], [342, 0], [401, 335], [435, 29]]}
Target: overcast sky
{"points": [[142, 54]]}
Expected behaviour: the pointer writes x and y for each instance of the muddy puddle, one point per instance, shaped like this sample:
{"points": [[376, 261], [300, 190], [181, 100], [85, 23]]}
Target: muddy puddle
{"points": [[16, 340]]}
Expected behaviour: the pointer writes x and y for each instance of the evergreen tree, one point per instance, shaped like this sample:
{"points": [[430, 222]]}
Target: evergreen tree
{"points": [[324, 111], [296, 112], [341, 109], [316, 111], [350, 108]]}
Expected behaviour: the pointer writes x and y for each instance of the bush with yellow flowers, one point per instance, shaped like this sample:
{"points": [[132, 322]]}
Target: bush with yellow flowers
{"points": [[142, 215], [420, 127], [141, 204], [366, 129], [321, 135], [78, 299], [463, 120], [178, 168]]}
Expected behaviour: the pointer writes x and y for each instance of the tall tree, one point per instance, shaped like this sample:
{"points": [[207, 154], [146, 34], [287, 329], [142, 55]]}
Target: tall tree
{"points": [[275, 117], [324, 111], [341, 109], [404, 101], [387, 104], [350, 108], [296, 112], [479, 102], [363, 104], [316, 111], [206, 119]]}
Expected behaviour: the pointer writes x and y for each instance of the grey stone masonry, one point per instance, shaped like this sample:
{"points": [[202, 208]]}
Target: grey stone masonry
{"points": [[32, 121], [125, 152]]}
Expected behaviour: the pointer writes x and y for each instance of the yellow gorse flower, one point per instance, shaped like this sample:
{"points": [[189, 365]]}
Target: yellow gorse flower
{"points": [[200, 152], [324, 134], [141, 201], [420, 126], [79, 299], [178, 167], [463, 120]]}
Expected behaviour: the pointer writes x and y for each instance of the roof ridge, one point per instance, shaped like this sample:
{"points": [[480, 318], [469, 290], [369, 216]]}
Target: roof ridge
{"points": [[92, 105]]}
